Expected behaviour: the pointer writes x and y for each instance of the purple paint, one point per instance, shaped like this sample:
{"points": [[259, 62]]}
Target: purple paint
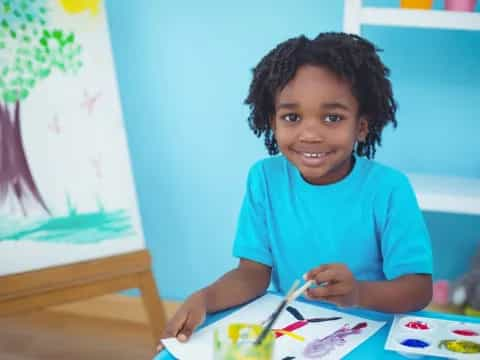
{"points": [[15, 176], [415, 343], [321, 347]]}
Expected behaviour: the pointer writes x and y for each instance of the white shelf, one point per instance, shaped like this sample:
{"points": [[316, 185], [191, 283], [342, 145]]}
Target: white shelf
{"points": [[447, 193], [355, 15], [440, 19], [434, 193]]}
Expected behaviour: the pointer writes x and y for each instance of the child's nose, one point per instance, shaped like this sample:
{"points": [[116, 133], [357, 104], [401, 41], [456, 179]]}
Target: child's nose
{"points": [[311, 131]]}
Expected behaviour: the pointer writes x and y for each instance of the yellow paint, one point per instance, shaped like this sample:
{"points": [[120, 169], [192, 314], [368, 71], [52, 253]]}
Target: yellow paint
{"points": [[236, 342], [461, 346], [78, 6], [291, 334]]}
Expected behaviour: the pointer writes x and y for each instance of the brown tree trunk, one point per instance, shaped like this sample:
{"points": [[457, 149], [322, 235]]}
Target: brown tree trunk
{"points": [[15, 176]]}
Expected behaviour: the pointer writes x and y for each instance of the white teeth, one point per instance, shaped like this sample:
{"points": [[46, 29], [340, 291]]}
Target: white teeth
{"points": [[312, 154]]}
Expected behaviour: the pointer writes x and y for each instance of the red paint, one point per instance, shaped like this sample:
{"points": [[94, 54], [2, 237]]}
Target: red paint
{"points": [[360, 326], [418, 325], [294, 326], [465, 332]]}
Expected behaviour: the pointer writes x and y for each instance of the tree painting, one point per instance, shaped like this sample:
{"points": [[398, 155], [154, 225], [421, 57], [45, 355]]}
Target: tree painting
{"points": [[31, 50], [37, 51]]}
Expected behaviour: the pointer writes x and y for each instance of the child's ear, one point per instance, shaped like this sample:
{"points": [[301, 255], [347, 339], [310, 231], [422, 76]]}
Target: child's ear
{"points": [[362, 129]]}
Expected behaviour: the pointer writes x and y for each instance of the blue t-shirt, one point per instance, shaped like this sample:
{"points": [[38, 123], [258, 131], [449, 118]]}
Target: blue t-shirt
{"points": [[370, 221]]}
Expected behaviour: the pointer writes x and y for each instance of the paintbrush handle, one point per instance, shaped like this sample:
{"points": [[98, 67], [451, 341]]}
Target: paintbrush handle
{"points": [[300, 290], [268, 327], [291, 295]]}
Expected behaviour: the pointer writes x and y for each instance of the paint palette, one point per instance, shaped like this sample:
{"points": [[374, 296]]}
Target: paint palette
{"points": [[415, 336]]}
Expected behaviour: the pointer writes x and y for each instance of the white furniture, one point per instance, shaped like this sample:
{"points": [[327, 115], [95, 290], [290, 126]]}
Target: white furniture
{"points": [[434, 193], [355, 15]]}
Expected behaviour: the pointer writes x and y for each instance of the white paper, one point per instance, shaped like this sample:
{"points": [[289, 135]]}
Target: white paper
{"points": [[200, 345]]}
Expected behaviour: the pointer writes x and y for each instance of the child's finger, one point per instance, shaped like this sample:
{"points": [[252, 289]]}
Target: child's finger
{"points": [[190, 324], [175, 325], [327, 276], [310, 275], [322, 292]]}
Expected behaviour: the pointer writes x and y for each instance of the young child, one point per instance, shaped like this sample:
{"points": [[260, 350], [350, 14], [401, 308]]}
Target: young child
{"points": [[322, 210]]}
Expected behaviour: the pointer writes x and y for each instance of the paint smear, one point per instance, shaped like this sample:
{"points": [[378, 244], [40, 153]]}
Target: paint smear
{"points": [[460, 346], [83, 228], [465, 332], [415, 343], [417, 325], [321, 347], [300, 323]]}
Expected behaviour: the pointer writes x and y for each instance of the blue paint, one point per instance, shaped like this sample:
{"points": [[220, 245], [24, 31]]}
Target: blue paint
{"points": [[415, 343]]}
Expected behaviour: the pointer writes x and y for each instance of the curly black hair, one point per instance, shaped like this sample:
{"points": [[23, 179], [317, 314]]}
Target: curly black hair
{"points": [[351, 57]]}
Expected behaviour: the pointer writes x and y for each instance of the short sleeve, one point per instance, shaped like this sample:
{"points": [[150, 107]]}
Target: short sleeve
{"points": [[251, 240], [406, 246]]}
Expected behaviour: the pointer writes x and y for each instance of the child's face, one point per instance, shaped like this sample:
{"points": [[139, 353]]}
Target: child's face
{"points": [[316, 124]]}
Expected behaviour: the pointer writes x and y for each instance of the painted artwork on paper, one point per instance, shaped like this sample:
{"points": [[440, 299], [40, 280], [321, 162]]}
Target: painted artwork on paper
{"points": [[65, 177], [315, 332]]}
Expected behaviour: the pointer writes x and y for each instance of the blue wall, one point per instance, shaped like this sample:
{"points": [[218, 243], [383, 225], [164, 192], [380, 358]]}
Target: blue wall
{"points": [[184, 68]]}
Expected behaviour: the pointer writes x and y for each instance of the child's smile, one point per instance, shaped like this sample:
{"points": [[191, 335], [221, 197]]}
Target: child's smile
{"points": [[316, 124], [312, 158]]}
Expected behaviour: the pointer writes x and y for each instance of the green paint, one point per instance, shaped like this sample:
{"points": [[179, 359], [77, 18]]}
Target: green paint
{"points": [[75, 228], [24, 31]]}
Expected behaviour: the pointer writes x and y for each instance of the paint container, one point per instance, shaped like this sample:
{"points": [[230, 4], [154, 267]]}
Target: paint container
{"points": [[416, 4], [236, 342], [416, 336], [460, 5]]}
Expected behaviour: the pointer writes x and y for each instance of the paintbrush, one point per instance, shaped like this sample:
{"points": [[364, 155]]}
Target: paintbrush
{"points": [[290, 291], [291, 295]]}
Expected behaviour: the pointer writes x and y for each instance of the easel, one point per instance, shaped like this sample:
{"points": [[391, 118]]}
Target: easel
{"points": [[34, 290]]}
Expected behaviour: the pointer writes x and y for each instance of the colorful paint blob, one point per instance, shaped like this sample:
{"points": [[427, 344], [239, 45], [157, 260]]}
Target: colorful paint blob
{"points": [[417, 325], [460, 346], [415, 343], [321, 347], [465, 332], [288, 330]]}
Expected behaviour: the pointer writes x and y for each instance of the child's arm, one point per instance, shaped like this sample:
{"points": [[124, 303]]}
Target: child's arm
{"points": [[403, 294], [249, 280], [406, 293]]}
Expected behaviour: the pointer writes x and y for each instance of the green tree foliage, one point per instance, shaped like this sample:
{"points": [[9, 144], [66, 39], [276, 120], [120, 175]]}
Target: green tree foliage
{"points": [[29, 50]]}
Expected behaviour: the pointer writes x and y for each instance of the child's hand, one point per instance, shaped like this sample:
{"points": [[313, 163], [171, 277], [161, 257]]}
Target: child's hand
{"points": [[190, 315], [336, 285]]}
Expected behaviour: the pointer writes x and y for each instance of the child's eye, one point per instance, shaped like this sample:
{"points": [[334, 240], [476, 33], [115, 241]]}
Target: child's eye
{"points": [[291, 117], [332, 118]]}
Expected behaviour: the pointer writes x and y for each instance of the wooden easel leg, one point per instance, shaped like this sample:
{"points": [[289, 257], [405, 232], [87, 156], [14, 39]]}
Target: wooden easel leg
{"points": [[153, 304]]}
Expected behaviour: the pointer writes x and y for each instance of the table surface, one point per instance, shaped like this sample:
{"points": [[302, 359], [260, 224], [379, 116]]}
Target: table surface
{"points": [[372, 348]]}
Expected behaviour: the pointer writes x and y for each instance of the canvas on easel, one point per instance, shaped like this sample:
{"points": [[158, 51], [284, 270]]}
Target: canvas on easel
{"points": [[68, 210]]}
